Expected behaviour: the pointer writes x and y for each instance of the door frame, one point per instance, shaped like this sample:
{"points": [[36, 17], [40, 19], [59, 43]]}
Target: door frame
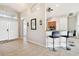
{"points": [[23, 29]]}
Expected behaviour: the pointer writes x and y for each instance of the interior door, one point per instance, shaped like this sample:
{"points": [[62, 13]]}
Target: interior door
{"points": [[3, 30], [13, 29], [25, 29]]}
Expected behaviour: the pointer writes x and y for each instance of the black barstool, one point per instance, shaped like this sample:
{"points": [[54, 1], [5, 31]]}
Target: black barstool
{"points": [[74, 34], [66, 36], [55, 34]]}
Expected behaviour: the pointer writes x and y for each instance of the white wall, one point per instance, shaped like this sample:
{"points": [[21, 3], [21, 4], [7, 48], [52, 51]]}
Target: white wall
{"points": [[21, 29], [72, 23], [37, 36], [77, 27], [63, 23]]}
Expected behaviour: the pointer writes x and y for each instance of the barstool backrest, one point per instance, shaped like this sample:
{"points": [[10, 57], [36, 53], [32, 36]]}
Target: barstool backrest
{"points": [[56, 34], [74, 34], [68, 33]]}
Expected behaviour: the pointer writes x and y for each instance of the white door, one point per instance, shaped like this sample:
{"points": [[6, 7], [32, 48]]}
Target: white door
{"points": [[3, 30], [25, 29], [13, 29]]}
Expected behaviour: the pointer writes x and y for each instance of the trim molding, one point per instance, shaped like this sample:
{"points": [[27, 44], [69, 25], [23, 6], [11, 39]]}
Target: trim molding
{"points": [[31, 41]]}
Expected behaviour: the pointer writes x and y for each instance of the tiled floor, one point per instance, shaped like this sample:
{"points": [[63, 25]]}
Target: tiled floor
{"points": [[18, 48]]}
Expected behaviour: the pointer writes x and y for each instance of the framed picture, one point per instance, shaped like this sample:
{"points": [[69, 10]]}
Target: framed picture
{"points": [[33, 24]]}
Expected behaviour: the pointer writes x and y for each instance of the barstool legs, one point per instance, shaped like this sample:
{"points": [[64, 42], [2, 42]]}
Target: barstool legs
{"points": [[53, 45], [67, 48]]}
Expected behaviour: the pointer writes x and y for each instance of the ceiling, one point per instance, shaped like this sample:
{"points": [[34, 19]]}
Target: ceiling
{"points": [[19, 7], [12, 9], [62, 8], [58, 8]]}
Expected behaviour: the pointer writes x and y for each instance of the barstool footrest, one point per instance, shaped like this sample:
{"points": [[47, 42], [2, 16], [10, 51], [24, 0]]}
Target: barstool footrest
{"points": [[68, 48]]}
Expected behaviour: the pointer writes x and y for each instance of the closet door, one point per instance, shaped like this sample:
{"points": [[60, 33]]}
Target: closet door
{"points": [[13, 29], [3, 29]]}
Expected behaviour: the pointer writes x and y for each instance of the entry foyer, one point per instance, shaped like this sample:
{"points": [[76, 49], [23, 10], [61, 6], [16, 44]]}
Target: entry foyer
{"points": [[39, 29]]}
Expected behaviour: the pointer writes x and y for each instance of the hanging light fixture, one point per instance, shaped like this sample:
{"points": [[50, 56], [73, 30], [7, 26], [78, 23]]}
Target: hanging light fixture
{"points": [[71, 14]]}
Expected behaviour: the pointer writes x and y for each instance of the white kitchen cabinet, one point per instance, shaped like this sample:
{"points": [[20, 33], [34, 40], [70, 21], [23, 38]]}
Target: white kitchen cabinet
{"points": [[8, 29]]}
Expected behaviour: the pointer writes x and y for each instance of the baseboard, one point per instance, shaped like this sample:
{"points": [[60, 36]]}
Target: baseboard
{"points": [[6, 41], [36, 43]]}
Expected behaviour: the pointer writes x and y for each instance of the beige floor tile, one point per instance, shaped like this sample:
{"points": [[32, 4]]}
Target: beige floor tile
{"points": [[18, 48]]}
